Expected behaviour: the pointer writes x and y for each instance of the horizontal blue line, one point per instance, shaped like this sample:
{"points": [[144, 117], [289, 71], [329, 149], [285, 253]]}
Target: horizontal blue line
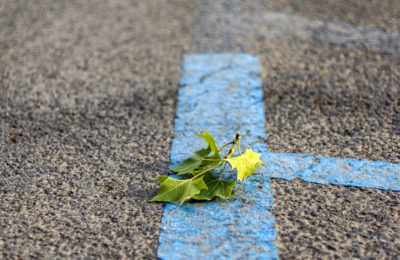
{"points": [[328, 170]]}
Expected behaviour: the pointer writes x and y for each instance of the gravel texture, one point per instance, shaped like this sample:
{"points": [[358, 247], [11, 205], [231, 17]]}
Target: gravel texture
{"points": [[87, 97], [333, 101], [88, 92], [336, 222]]}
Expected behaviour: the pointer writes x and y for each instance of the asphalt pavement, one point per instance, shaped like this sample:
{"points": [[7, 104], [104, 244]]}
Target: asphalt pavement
{"points": [[87, 109], [87, 105]]}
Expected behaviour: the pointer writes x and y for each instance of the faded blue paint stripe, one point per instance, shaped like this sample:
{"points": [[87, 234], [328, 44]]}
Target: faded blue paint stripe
{"points": [[328, 170], [220, 93]]}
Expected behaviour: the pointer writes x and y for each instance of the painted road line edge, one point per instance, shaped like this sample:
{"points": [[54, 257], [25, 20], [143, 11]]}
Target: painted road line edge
{"points": [[220, 93]]}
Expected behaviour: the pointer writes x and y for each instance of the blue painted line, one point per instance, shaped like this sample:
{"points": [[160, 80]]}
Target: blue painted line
{"points": [[222, 94], [328, 170]]}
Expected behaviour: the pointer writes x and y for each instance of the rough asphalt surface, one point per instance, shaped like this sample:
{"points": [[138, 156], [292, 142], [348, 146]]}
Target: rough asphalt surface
{"points": [[87, 102], [87, 109]]}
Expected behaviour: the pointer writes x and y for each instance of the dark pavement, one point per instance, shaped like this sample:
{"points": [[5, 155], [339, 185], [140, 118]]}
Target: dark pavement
{"points": [[87, 103]]}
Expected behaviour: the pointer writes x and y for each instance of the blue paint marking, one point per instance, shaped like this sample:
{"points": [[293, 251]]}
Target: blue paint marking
{"points": [[222, 94], [327, 170]]}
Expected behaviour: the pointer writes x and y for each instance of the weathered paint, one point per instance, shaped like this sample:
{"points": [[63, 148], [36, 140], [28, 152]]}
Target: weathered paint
{"points": [[222, 94], [328, 170]]}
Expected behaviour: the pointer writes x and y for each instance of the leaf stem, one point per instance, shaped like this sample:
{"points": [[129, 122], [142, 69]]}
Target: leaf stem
{"points": [[239, 146], [229, 154], [225, 145], [206, 170]]}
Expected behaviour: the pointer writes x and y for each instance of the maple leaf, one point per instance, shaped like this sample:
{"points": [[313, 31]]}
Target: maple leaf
{"points": [[216, 187], [203, 185], [178, 190], [245, 164]]}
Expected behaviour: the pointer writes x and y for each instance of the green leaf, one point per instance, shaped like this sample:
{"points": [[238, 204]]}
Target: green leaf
{"points": [[200, 159], [216, 187], [213, 160], [202, 170], [208, 163], [203, 185], [211, 144], [245, 164], [178, 190], [191, 163]]}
